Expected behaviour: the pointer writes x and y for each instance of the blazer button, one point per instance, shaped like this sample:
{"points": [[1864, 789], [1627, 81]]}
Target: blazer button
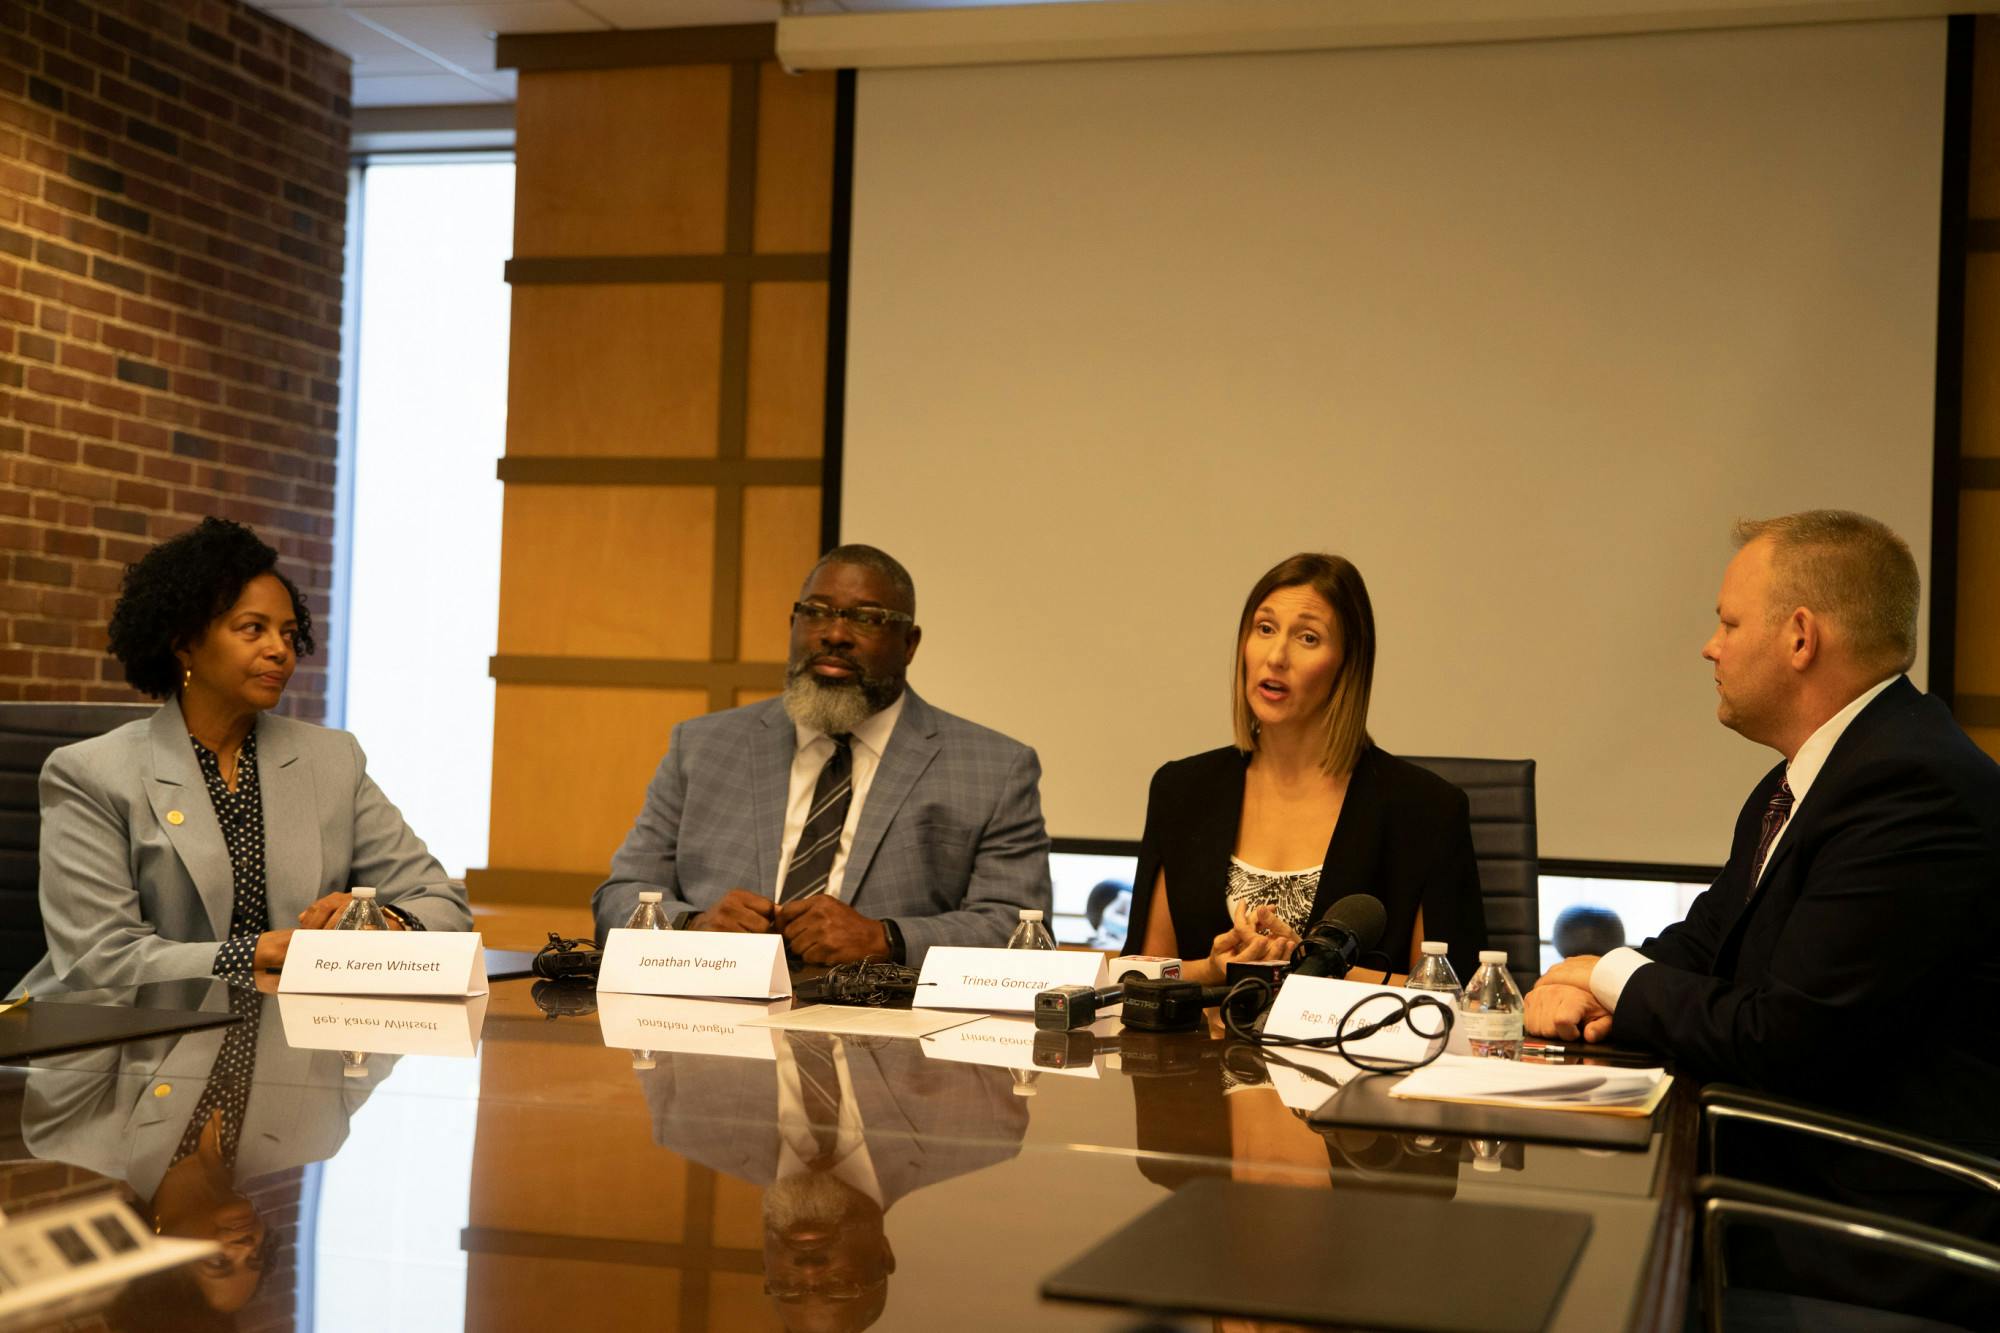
{"points": [[162, 1089], [175, 817]]}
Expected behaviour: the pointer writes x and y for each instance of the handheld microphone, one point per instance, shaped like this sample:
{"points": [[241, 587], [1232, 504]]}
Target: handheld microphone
{"points": [[1350, 928]]}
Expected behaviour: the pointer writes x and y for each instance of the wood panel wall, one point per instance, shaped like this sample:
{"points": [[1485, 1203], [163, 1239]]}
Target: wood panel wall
{"points": [[666, 417], [673, 227], [1976, 667]]}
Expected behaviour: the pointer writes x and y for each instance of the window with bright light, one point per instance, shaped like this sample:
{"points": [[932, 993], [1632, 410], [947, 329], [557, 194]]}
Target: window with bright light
{"points": [[423, 525]]}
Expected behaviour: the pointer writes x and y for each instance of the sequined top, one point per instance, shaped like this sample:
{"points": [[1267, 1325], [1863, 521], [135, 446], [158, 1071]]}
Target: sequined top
{"points": [[1290, 892]]}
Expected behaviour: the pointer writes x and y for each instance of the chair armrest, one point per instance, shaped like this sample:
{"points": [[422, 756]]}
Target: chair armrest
{"points": [[1724, 1203], [1723, 1104]]}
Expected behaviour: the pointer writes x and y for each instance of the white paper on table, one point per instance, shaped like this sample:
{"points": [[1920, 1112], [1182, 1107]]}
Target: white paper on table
{"points": [[862, 1020], [1314, 1006], [708, 963], [383, 1025], [1007, 1042], [1510, 1081], [385, 962], [688, 1027], [1003, 981]]}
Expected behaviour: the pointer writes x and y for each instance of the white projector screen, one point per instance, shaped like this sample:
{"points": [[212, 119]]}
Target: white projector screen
{"points": [[1519, 328]]}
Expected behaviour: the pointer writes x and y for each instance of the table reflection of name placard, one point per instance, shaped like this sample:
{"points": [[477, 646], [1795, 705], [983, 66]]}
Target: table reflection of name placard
{"points": [[1002, 981], [710, 964], [663, 1023], [1008, 1043], [383, 1026], [384, 962]]}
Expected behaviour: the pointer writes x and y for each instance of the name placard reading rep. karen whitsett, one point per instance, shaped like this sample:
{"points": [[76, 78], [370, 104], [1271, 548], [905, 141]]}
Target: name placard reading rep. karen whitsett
{"points": [[695, 962], [385, 962], [1001, 981]]}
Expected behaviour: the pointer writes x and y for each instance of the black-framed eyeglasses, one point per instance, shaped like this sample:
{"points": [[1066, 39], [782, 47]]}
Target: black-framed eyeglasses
{"points": [[869, 618]]}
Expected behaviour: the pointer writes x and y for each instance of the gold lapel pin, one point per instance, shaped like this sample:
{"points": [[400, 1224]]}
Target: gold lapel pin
{"points": [[175, 816]]}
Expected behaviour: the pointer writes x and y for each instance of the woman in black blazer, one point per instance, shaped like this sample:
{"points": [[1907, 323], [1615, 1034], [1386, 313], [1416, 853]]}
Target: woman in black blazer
{"points": [[1248, 845]]}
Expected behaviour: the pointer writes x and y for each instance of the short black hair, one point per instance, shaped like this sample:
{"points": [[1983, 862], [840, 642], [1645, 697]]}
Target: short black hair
{"points": [[175, 590], [872, 557]]}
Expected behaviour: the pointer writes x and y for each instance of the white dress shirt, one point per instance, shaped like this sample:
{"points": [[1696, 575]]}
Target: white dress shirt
{"points": [[797, 1145], [1608, 978], [815, 747]]}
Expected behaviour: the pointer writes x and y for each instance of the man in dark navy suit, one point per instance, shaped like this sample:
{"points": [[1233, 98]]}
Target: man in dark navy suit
{"points": [[1849, 952]]}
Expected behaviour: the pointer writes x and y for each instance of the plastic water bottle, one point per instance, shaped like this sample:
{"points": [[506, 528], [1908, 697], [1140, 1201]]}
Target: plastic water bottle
{"points": [[1490, 1012], [363, 913], [1434, 972], [648, 915], [1031, 933]]}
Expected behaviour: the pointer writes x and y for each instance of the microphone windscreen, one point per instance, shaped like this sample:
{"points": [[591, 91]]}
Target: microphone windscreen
{"points": [[1363, 915]]}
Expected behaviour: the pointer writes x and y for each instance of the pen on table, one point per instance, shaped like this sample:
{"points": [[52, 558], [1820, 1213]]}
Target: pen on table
{"points": [[1588, 1052]]}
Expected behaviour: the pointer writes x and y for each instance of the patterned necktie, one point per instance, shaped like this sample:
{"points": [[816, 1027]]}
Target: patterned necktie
{"points": [[816, 1057], [1775, 815], [812, 859]]}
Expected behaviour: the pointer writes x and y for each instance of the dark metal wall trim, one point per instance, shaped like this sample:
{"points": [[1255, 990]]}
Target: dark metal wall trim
{"points": [[1947, 409], [1977, 710], [833, 448], [738, 268], [537, 471], [713, 45], [636, 673]]}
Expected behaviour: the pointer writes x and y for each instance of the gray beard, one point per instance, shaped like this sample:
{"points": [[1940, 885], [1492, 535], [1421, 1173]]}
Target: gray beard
{"points": [[834, 709]]}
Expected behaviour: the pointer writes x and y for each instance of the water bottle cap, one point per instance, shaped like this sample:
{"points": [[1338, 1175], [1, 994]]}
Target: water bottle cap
{"points": [[1492, 955], [365, 894], [643, 1062], [354, 1071], [1025, 1089], [1486, 1164], [649, 897], [1031, 914], [1436, 948]]}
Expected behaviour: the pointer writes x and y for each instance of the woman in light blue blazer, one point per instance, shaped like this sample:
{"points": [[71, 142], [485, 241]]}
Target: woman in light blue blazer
{"points": [[194, 842]]}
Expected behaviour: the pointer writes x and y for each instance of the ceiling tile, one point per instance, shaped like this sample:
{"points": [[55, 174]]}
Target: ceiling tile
{"points": [[373, 53], [681, 13], [460, 34]]}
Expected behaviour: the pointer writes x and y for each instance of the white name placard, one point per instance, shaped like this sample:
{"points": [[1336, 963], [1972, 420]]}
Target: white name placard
{"points": [[385, 962], [718, 964], [1003, 981], [689, 1027], [1008, 1043], [383, 1025], [1313, 1006]]}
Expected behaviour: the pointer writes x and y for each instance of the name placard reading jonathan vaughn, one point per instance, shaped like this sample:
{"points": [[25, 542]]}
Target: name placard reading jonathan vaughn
{"points": [[695, 962]]}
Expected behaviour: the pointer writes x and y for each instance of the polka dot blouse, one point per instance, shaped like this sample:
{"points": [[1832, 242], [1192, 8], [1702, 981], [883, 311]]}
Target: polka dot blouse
{"points": [[241, 815]]}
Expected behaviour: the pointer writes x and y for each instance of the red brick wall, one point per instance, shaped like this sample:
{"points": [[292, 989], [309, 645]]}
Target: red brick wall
{"points": [[173, 194]]}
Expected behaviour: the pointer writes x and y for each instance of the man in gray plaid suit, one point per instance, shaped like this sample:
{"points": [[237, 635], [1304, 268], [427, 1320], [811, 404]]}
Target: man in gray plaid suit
{"points": [[848, 814]]}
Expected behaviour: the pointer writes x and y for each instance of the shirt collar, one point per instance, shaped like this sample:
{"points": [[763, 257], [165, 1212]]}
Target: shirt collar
{"points": [[873, 733], [1806, 764]]}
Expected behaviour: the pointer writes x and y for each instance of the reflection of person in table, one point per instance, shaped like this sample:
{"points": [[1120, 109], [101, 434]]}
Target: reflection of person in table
{"points": [[190, 1122], [836, 1130]]}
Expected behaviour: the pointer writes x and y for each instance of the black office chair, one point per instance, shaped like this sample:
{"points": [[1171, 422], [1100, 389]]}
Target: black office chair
{"points": [[1811, 1218], [1502, 793], [28, 732]]}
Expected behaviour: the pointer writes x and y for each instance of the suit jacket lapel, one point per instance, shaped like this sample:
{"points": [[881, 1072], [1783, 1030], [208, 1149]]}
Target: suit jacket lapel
{"points": [[1355, 848], [291, 822], [771, 751], [179, 797], [912, 746]]}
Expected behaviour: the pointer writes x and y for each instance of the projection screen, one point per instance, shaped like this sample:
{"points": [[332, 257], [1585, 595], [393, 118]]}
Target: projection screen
{"points": [[1519, 328]]}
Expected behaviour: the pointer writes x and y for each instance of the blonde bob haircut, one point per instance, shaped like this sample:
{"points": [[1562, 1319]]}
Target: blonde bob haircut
{"points": [[1345, 717]]}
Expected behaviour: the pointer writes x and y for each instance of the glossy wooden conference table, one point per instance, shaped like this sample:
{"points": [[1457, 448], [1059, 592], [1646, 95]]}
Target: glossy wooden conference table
{"points": [[546, 1182]]}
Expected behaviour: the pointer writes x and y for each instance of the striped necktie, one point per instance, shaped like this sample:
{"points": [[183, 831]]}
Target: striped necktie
{"points": [[1775, 815], [819, 841]]}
